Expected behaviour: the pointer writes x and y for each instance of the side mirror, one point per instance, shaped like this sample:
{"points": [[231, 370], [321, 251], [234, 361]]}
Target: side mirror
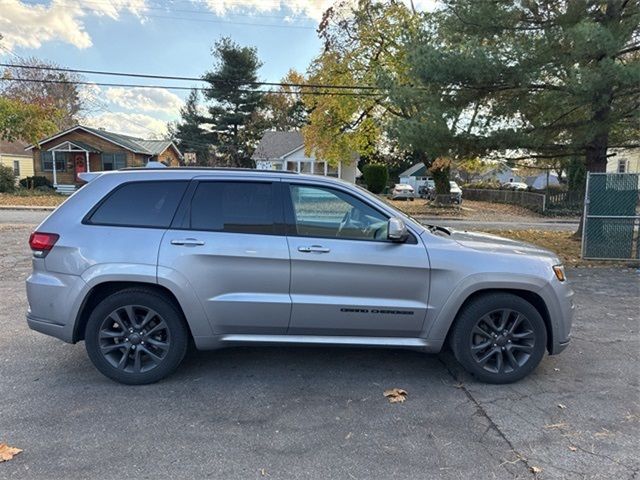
{"points": [[397, 230]]}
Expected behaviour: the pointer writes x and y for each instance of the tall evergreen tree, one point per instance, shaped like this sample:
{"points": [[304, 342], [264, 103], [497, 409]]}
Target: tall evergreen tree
{"points": [[555, 79], [235, 115], [188, 132]]}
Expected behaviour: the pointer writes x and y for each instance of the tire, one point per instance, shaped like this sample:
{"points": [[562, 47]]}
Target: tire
{"points": [[139, 351], [494, 357]]}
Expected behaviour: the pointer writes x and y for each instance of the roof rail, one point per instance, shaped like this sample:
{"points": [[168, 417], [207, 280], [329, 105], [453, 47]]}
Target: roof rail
{"points": [[215, 169]]}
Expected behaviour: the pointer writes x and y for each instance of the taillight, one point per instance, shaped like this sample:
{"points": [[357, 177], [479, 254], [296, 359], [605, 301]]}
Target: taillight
{"points": [[41, 243]]}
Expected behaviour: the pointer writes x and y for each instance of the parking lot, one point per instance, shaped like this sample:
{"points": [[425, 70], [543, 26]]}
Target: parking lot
{"points": [[319, 413]]}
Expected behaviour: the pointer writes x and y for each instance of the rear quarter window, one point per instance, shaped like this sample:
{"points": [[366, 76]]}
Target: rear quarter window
{"points": [[139, 204]]}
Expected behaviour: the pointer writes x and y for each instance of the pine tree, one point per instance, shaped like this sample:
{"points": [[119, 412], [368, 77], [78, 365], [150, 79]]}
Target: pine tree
{"points": [[554, 79], [235, 115], [188, 132]]}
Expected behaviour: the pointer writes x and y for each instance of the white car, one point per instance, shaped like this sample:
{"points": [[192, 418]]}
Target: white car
{"points": [[515, 186], [402, 191], [456, 192]]}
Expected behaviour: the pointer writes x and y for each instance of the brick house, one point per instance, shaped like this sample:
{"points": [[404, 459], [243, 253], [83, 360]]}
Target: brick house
{"points": [[79, 149]]}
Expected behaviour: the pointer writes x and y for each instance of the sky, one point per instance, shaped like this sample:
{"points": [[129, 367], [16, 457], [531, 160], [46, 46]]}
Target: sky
{"points": [[163, 37]]}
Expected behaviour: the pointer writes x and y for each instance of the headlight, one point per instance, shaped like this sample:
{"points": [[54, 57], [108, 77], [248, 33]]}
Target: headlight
{"points": [[559, 271]]}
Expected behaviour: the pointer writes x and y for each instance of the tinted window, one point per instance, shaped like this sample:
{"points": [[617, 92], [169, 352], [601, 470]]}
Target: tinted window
{"points": [[141, 204], [324, 212], [239, 207]]}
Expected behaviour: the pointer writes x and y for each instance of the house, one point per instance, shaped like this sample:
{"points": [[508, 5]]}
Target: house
{"points": [[285, 151], [79, 149], [415, 176], [539, 181], [624, 161], [13, 155], [501, 174]]}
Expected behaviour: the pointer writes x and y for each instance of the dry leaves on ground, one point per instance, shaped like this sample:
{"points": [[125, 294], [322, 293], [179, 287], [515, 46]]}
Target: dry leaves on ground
{"points": [[7, 452], [395, 395], [31, 200], [535, 470]]}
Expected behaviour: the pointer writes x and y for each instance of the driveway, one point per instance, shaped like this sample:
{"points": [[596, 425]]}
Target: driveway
{"points": [[286, 413]]}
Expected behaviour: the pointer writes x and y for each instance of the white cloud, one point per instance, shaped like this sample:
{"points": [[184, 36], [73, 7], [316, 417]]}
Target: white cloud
{"points": [[30, 25], [307, 8], [145, 100], [134, 124]]}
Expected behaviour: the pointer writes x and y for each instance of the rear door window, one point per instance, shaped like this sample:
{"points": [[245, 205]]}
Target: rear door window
{"points": [[140, 204], [235, 207]]}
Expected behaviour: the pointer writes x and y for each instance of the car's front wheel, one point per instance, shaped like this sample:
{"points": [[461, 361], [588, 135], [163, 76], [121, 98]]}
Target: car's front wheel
{"points": [[136, 336], [499, 338]]}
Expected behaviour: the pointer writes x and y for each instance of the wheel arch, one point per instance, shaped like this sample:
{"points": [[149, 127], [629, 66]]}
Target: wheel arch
{"points": [[102, 290], [532, 297]]}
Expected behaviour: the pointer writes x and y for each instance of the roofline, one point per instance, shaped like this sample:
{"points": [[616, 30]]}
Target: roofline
{"points": [[292, 151], [175, 147], [91, 132]]}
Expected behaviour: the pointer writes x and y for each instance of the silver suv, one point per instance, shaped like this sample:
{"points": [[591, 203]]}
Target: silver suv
{"points": [[139, 263]]}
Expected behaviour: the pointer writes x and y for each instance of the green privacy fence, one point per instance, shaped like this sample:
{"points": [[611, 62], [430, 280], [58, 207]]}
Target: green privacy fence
{"points": [[611, 217]]}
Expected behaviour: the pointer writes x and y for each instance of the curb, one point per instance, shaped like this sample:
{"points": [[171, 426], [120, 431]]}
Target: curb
{"points": [[25, 207]]}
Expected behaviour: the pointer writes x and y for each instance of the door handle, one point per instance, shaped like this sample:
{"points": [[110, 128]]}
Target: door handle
{"points": [[314, 249], [187, 241]]}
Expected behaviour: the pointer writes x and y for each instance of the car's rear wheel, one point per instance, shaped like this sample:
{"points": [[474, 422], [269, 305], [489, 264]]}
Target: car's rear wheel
{"points": [[136, 336], [499, 338]]}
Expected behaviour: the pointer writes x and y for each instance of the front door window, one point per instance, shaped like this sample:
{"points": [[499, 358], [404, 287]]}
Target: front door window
{"points": [[325, 212]]}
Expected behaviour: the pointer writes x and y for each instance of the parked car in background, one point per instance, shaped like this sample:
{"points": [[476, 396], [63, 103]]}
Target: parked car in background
{"points": [[402, 191], [456, 192], [515, 186], [428, 189]]}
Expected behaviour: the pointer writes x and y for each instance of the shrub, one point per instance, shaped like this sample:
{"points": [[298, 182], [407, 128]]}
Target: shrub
{"points": [[35, 182], [7, 179], [376, 177]]}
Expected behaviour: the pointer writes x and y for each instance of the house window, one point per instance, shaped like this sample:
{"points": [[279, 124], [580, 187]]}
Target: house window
{"points": [[113, 161], [47, 161], [622, 166], [16, 168]]}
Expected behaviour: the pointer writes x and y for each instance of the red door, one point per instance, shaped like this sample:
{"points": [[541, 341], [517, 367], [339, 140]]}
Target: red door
{"points": [[80, 164]]}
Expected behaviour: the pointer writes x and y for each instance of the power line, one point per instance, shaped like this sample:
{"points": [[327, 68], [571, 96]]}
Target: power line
{"points": [[172, 87], [191, 79]]}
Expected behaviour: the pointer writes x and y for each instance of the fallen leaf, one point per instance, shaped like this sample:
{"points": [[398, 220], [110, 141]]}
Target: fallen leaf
{"points": [[263, 472], [535, 470], [396, 395], [7, 452], [572, 448], [561, 406]]}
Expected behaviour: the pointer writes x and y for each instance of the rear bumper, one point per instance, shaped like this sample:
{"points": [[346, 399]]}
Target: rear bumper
{"points": [[52, 301], [52, 329]]}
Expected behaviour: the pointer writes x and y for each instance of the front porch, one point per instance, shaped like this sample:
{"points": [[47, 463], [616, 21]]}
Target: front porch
{"points": [[63, 163]]}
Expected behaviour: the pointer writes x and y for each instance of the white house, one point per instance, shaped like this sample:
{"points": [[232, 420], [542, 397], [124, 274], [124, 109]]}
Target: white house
{"points": [[539, 181], [624, 161], [415, 176], [502, 174], [285, 151]]}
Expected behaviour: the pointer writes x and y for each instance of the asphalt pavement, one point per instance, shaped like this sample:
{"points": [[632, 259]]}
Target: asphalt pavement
{"points": [[289, 413]]}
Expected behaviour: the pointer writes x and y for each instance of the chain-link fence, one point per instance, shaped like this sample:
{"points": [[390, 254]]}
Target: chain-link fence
{"points": [[611, 217]]}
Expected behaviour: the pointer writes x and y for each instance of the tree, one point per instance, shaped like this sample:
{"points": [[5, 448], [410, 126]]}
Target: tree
{"points": [[361, 45], [555, 78], [235, 116], [43, 89], [20, 121], [285, 109], [376, 177], [188, 133]]}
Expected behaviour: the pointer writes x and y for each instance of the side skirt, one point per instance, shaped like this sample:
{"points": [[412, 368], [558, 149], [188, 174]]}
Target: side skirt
{"points": [[229, 340]]}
